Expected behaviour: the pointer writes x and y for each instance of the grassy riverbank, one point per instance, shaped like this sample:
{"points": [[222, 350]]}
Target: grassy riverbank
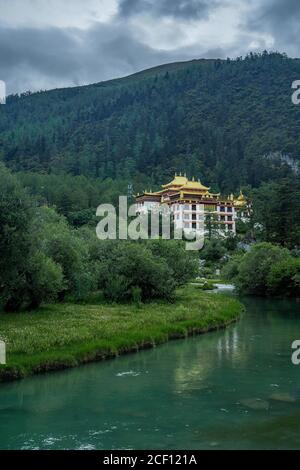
{"points": [[65, 335]]}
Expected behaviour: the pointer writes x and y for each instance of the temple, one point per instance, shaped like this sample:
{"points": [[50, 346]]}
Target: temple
{"points": [[193, 206]]}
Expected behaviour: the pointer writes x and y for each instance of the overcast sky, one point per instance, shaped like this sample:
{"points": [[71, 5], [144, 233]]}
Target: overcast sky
{"points": [[56, 43]]}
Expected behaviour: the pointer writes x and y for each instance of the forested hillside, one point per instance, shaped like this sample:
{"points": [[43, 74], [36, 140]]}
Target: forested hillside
{"points": [[230, 122]]}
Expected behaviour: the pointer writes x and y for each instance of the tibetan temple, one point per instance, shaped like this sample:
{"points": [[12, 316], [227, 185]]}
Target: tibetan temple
{"points": [[191, 202]]}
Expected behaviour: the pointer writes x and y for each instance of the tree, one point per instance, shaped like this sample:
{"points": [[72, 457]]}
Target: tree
{"points": [[213, 250], [184, 264], [45, 280], [128, 266], [255, 266], [277, 211], [15, 218], [284, 278], [58, 241]]}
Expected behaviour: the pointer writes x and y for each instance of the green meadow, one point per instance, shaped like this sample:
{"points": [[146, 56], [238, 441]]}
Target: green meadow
{"points": [[58, 336]]}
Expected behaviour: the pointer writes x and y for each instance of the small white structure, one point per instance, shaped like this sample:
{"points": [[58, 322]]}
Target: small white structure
{"points": [[2, 352]]}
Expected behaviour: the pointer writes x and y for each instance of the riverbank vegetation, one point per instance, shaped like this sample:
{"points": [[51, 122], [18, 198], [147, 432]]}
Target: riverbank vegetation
{"points": [[43, 258], [264, 258], [266, 270], [69, 298], [65, 335]]}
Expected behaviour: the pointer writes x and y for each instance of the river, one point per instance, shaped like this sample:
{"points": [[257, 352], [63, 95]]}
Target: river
{"points": [[232, 389]]}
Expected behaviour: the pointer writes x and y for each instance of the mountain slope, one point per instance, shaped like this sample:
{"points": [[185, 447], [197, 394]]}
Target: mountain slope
{"points": [[230, 122]]}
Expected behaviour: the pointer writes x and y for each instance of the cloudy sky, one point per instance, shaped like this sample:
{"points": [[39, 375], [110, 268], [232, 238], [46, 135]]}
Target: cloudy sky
{"points": [[56, 43]]}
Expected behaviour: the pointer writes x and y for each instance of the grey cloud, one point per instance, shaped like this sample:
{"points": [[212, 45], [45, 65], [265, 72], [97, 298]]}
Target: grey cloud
{"points": [[185, 9], [48, 57], [276, 12], [45, 58], [280, 19]]}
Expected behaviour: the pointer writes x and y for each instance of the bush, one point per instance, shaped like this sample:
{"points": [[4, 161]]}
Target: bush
{"points": [[45, 280], [183, 263], [64, 246], [231, 269], [129, 266], [213, 250], [116, 287], [284, 278], [15, 219], [255, 266]]}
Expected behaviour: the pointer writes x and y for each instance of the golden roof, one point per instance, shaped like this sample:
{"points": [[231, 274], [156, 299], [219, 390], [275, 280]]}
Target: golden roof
{"points": [[241, 200], [177, 181], [182, 183], [195, 186]]}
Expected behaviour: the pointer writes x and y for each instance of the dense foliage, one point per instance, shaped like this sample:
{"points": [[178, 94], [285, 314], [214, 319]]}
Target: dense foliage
{"points": [[44, 258], [265, 270], [276, 212], [141, 271], [231, 122]]}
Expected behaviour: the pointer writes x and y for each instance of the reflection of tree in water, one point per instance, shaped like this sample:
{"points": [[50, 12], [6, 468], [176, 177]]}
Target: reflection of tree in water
{"points": [[245, 346], [200, 381]]}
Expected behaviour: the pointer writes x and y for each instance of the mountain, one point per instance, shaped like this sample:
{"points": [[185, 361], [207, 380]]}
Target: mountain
{"points": [[230, 122]]}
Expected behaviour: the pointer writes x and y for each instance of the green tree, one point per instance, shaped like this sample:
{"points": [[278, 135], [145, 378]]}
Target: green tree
{"points": [[277, 211], [54, 237], [15, 218], [284, 278], [255, 266], [45, 280], [213, 250], [128, 266]]}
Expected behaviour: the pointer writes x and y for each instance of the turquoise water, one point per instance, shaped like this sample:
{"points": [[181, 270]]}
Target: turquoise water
{"points": [[211, 391]]}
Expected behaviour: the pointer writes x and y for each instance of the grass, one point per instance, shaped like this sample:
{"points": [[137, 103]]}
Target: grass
{"points": [[212, 280], [205, 285], [65, 335]]}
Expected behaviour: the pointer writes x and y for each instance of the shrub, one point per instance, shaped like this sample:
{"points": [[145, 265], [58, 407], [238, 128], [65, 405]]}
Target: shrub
{"points": [[64, 246], [213, 250], [284, 278], [45, 280], [184, 264], [231, 269], [123, 267], [15, 219], [254, 268]]}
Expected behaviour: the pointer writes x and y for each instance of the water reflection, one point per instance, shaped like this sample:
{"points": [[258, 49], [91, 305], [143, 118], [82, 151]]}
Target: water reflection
{"points": [[235, 388]]}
